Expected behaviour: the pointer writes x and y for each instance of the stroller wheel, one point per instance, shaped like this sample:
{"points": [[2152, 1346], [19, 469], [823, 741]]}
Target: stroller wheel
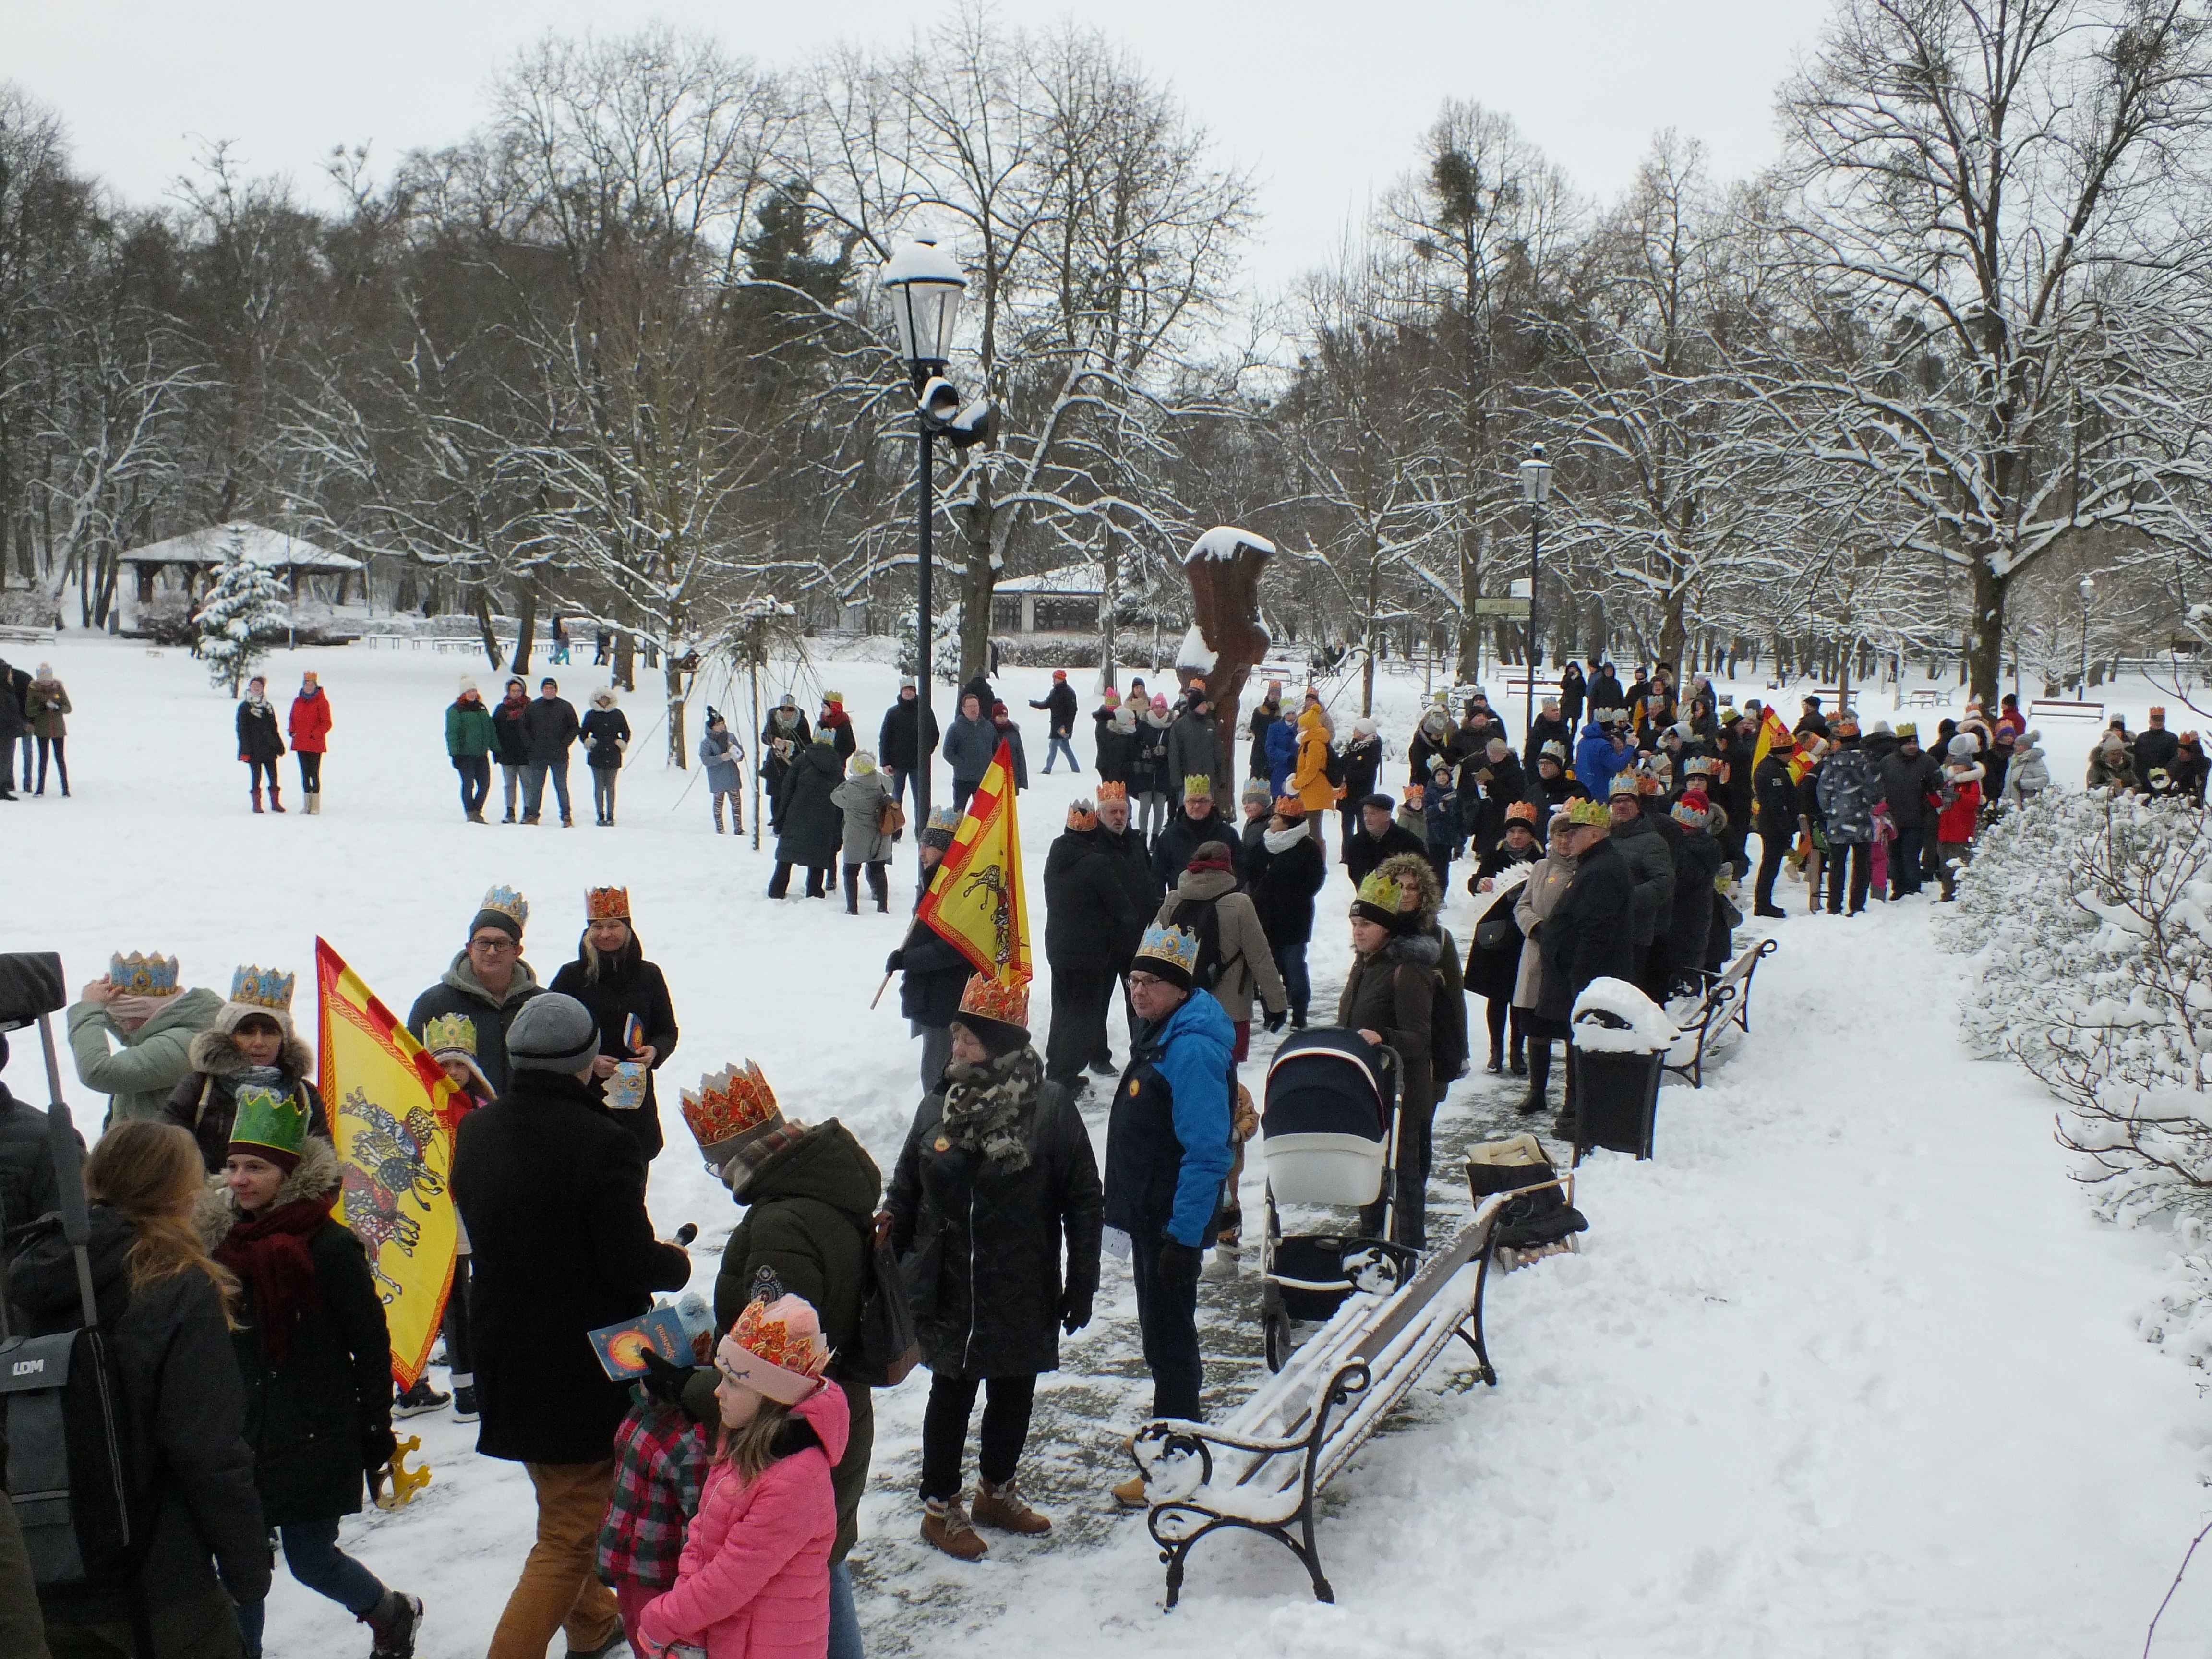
{"points": [[1277, 1337]]}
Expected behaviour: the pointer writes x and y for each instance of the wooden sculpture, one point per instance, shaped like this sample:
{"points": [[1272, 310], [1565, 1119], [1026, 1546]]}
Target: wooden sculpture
{"points": [[1224, 567]]}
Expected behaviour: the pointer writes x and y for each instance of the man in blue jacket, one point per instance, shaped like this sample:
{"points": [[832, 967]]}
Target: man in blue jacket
{"points": [[1167, 1153], [1602, 751]]}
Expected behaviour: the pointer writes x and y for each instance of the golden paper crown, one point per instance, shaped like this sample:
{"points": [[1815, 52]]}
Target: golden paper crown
{"points": [[450, 1034], [1381, 891], [143, 976], [728, 1104], [1198, 786], [1109, 790], [771, 1338], [607, 904], [1522, 811], [1082, 815], [262, 987], [987, 998], [1290, 806], [1592, 813]]}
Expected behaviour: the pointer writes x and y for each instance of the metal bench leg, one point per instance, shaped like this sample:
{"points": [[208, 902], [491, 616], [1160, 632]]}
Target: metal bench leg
{"points": [[1474, 1339]]}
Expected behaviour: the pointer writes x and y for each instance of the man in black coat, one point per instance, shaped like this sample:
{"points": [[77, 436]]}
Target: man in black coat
{"points": [[1089, 925], [550, 728], [809, 826], [1737, 744], [1776, 792], [487, 983], [1590, 933], [1059, 707], [552, 1191], [900, 745], [1550, 726], [1379, 836], [1908, 776], [1199, 822], [1604, 688]]}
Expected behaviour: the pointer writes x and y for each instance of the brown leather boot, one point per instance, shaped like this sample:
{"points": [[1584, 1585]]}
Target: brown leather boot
{"points": [[1002, 1508], [946, 1526]]}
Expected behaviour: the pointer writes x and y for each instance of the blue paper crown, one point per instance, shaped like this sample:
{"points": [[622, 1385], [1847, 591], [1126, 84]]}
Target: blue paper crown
{"points": [[508, 903], [1170, 944], [945, 817], [262, 987], [141, 975]]}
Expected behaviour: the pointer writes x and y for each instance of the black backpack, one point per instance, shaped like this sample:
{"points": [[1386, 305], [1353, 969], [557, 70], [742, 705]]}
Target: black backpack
{"points": [[1207, 927], [1331, 765]]}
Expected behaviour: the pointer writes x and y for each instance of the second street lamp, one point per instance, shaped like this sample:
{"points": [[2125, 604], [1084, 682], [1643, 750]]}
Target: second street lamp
{"points": [[2088, 592], [1535, 486]]}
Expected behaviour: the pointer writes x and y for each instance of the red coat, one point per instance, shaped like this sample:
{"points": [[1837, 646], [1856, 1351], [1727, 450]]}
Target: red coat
{"points": [[1957, 822], [311, 722], [754, 1582]]}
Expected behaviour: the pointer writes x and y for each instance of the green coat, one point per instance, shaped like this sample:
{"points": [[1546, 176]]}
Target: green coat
{"points": [[152, 1060], [309, 1419], [468, 729], [811, 1219]]}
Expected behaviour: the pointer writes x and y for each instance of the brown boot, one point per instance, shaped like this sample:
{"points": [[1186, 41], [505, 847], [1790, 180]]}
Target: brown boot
{"points": [[946, 1526], [1002, 1508]]}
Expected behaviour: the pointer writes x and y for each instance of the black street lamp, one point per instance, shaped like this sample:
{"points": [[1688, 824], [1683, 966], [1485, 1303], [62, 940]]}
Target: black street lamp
{"points": [[925, 284], [1535, 486], [2088, 591]]}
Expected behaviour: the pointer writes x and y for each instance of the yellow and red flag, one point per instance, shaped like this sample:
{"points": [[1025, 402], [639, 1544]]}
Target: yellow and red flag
{"points": [[391, 1112], [976, 900]]}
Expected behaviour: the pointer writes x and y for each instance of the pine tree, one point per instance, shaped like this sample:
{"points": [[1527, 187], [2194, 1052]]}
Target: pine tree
{"points": [[244, 611]]}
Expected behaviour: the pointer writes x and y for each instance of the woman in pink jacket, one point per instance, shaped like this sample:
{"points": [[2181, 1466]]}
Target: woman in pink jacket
{"points": [[754, 1580]]}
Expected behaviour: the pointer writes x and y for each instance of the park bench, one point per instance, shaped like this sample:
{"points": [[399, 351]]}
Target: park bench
{"points": [[1927, 696], [1263, 1467], [2058, 708], [17, 634], [1726, 1002]]}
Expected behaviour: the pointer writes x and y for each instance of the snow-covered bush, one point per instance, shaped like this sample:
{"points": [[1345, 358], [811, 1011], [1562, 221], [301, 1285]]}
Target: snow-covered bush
{"points": [[2091, 921], [945, 625], [243, 611]]}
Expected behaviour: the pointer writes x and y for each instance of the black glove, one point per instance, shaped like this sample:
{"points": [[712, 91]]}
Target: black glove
{"points": [[664, 1379], [377, 1447], [1074, 1310], [1179, 1264], [1275, 1021], [894, 962]]}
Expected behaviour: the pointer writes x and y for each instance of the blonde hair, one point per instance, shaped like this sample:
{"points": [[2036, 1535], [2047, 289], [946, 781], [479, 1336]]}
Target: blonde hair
{"points": [[150, 1174], [751, 1448]]}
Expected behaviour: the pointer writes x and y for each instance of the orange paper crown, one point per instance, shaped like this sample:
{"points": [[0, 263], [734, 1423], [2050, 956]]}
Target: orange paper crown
{"points": [[990, 999], [727, 1106], [607, 904], [776, 1348], [1109, 790], [1082, 815]]}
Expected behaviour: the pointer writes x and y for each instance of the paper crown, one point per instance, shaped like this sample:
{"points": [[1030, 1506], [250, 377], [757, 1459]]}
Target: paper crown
{"points": [[1082, 815], [607, 904], [1590, 813], [1290, 806], [275, 1122], [1699, 765], [837, 697], [1109, 790], [509, 904], [777, 1348], [946, 818], [987, 998], [1413, 794], [262, 987], [1522, 811], [1381, 891], [143, 976], [728, 1106], [1907, 729], [1727, 712], [1170, 945], [1557, 752], [449, 1034], [1198, 786]]}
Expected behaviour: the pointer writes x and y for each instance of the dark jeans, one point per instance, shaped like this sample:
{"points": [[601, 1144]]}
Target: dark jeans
{"points": [[1167, 1318], [944, 1429], [906, 786], [1859, 857], [779, 884], [1059, 745], [1079, 997], [961, 788], [461, 1353], [1905, 859], [256, 769], [603, 792], [1290, 963], [59, 746], [311, 1550], [879, 885], [476, 781], [311, 770], [533, 786], [1772, 850]]}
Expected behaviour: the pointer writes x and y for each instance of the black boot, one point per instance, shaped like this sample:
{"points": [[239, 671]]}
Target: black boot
{"points": [[1497, 1062], [852, 890], [392, 1622]]}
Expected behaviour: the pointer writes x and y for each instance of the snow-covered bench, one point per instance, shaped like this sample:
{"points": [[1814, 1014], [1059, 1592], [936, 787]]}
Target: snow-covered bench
{"points": [[1261, 1468], [1726, 1002], [2061, 709]]}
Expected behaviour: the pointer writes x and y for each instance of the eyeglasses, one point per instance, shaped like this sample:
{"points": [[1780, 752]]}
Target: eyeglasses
{"points": [[1144, 981], [494, 947]]}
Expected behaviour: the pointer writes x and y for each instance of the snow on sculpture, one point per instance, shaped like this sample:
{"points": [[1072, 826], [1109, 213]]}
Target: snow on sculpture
{"points": [[1226, 641]]}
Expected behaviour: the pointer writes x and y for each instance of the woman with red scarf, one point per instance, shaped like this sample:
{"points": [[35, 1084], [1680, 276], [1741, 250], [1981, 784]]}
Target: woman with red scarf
{"points": [[313, 1348]]}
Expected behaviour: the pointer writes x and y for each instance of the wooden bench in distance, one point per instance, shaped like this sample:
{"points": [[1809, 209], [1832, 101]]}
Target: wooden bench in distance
{"points": [[1726, 1001], [1261, 1468], [2056, 709]]}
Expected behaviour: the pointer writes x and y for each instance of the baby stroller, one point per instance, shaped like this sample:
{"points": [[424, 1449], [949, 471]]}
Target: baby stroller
{"points": [[1330, 1120]]}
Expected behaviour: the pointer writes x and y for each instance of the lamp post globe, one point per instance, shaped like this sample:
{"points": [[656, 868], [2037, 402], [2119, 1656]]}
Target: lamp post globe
{"points": [[924, 285]]}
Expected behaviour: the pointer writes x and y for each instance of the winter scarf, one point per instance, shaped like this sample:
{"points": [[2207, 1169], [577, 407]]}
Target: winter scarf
{"points": [[263, 1076], [1281, 841], [269, 1253], [983, 1103]]}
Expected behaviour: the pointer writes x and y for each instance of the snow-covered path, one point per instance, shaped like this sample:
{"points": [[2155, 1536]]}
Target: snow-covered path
{"points": [[1848, 1369]]}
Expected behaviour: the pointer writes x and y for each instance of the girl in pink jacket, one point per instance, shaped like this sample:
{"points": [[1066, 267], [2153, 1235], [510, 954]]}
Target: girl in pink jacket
{"points": [[754, 1580]]}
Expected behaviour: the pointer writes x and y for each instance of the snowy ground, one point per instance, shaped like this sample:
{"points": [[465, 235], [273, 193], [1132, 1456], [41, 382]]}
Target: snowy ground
{"points": [[1847, 1370]]}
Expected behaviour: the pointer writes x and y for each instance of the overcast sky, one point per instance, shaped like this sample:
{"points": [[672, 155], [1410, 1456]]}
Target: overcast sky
{"points": [[1326, 101]]}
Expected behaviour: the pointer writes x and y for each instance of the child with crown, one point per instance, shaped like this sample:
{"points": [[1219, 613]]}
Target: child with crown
{"points": [[251, 1045]]}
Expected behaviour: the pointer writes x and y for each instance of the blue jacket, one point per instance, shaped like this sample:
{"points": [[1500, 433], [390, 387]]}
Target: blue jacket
{"points": [[1168, 1136], [1595, 761], [969, 745], [1282, 757]]}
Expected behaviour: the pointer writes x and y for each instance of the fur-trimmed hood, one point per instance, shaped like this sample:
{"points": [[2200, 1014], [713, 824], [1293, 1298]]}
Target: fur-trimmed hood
{"points": [[218, 1054], [1423, 950], [214, 1214], [1413, 871]]}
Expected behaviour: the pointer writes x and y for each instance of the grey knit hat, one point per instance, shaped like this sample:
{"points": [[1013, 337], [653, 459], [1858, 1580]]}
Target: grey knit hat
{"points": [[553, 1033]]}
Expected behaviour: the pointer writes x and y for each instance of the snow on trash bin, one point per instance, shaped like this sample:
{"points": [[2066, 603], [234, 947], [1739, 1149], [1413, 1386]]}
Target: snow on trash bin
{"points": [[1637, 1025], [1619, 1038]]}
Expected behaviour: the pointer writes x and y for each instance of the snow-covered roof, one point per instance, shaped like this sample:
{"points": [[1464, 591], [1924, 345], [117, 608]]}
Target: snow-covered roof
{"points": [[1222, 542], [273, 548], [1082, 580]]}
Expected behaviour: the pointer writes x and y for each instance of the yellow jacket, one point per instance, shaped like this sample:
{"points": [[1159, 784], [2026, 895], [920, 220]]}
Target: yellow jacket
{"points": [[1309, 778]]}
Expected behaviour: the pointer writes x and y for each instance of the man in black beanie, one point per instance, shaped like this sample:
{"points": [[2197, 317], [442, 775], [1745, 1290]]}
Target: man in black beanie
{"points": [[552, 1192]]}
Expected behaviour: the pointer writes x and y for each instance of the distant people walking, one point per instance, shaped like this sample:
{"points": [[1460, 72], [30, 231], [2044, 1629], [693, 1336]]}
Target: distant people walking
{"points": [[783, 735], [46, 706], [1059, 707], [260, 745], [511, 740], [560, 643], [720, 752], [809, 826], [469, 739], [902, 742], [310, 730], [866, 801], [549, 729], [605, 732]]}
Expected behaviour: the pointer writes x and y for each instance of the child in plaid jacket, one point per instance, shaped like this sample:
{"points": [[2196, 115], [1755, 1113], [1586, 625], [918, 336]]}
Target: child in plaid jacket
{"points": [[661, 1454]]}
